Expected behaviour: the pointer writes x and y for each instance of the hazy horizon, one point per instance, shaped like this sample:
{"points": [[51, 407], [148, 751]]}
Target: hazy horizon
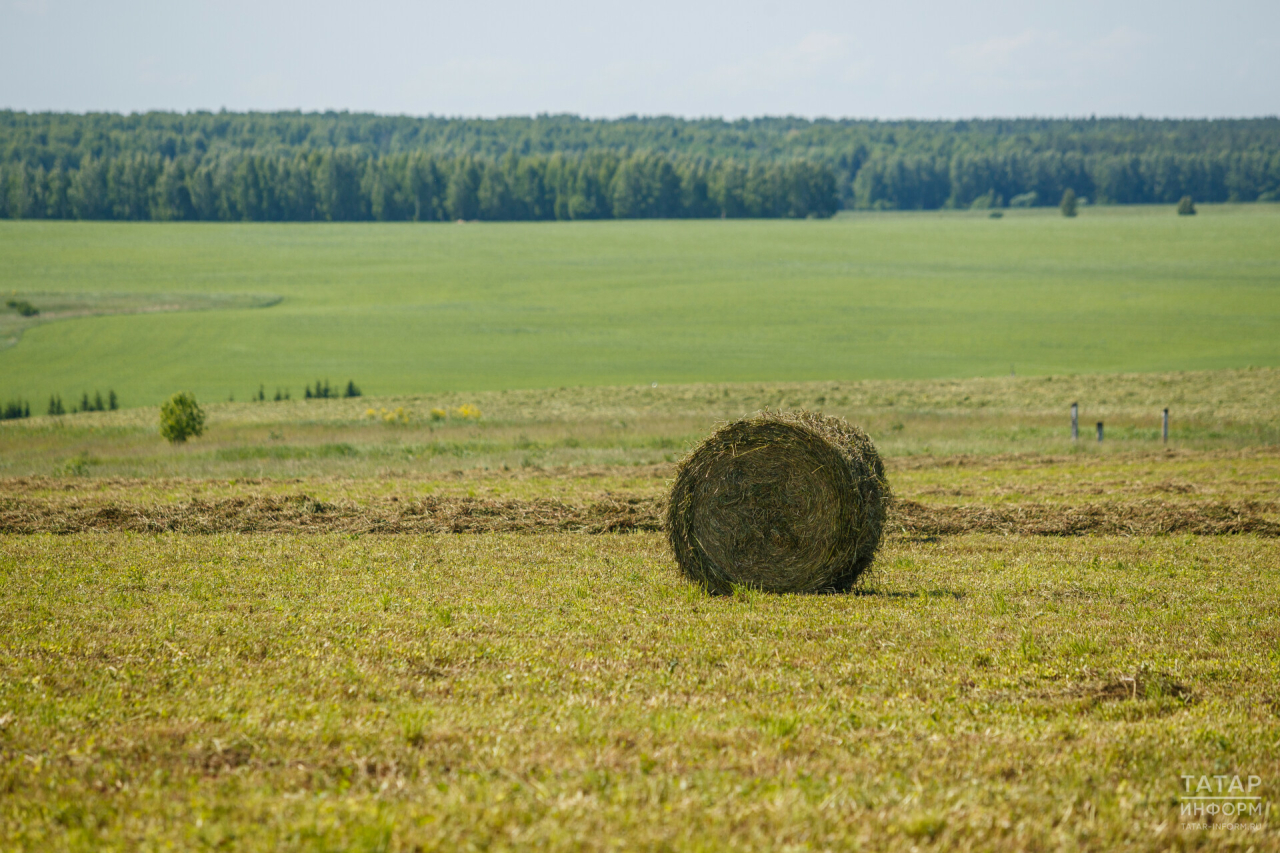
{"points": [[814, 59]]}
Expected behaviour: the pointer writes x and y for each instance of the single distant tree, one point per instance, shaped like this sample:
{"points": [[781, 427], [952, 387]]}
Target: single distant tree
{"points": [[181, 418], [55, 405], [1186, 206], [352, 390], [1068, 205], [85, 405], [113, 402], [98, 405]]}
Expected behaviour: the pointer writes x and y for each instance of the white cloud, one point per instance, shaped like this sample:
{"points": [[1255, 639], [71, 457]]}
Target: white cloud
{"points": [[1119, 46], [1045, 61], [997, 53], [816, 54]]}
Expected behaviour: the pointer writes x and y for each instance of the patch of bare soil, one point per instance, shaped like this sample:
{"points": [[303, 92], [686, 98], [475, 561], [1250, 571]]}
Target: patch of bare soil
{"points": [[1140, 685], [301, 513]]}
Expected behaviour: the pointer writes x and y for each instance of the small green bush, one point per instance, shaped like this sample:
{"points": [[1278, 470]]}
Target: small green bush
{"points": [[1068, 205], [181, 417], [77, 466], [23, 307], [1186, 206]]}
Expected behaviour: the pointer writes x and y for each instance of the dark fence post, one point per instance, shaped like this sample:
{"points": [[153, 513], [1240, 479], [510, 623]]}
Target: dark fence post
{"points": [[1165, 427], [1099, 432], [1075, 421]]}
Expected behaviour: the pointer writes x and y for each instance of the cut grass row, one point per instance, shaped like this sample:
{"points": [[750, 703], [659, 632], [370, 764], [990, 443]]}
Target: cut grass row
{"points": [[1186, 477]]}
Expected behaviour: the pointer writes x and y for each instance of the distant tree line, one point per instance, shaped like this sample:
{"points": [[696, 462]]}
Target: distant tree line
{"points": [[344, 166], [14, 409], [345, 185], [96, 404], [324, 392], [19, 408], [920, 182]]}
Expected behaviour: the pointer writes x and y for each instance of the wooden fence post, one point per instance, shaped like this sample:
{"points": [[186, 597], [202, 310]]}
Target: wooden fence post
{"points": [[1075, 421], [1099, 432], [1165, 427]]}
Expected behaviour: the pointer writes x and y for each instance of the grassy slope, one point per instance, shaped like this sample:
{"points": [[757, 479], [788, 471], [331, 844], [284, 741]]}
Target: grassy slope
{"points": [[414, 308]]}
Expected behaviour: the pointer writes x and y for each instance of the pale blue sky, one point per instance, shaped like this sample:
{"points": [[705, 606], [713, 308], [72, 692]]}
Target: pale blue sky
{"points": [[810, 58]]}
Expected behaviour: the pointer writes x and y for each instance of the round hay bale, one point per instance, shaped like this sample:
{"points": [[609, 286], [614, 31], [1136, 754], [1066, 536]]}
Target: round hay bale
{"points": [[781, 502]]}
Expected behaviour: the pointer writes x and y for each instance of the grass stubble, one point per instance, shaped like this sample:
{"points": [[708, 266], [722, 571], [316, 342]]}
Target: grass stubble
{"points": [[295, 678], [504, 691]]}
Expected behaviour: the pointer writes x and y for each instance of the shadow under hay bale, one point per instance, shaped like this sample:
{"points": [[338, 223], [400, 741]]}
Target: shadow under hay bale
{"points": [[780, 502]]}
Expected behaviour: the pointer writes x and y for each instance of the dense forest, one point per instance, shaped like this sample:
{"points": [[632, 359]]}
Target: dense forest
{"points": [[342, 166], [338, 184]]}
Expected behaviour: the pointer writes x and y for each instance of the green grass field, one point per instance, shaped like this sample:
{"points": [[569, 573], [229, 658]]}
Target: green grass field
{"points": [[268, 638], [411, 309], [371, 691], [573, 428], [571, 692]]}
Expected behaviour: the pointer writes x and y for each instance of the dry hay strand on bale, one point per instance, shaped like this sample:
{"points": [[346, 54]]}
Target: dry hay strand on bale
{"points": [[780, 502]]}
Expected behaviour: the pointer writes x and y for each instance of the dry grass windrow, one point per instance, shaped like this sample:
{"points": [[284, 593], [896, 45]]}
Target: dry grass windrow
{"points": [[302, 513]]}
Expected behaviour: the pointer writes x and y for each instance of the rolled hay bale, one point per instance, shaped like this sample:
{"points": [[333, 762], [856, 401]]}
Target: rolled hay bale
{"points": [[781, 502]]}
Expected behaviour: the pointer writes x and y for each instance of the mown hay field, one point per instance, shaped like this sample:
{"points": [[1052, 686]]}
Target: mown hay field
{"points": [[503, 691], [469, 634], [407, 308]]}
